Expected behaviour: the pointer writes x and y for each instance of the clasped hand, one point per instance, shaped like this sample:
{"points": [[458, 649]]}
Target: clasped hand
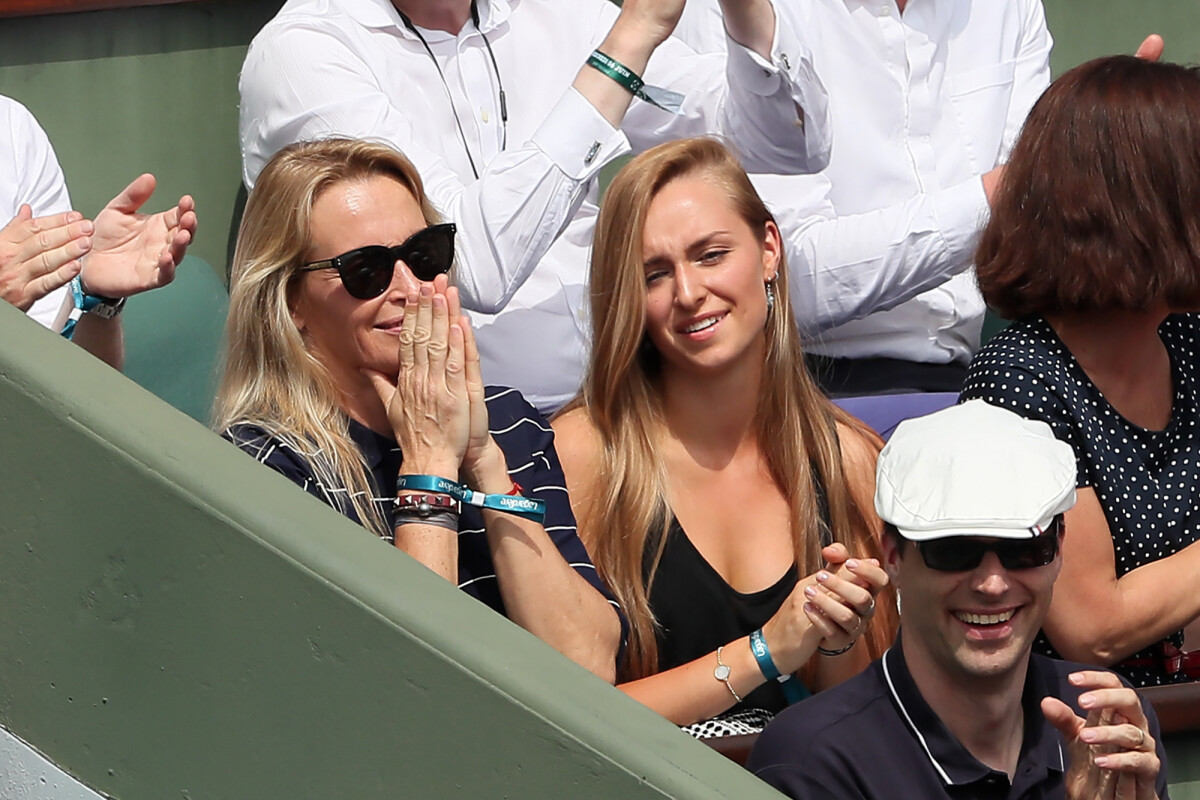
{"points": [[830, 608], [435, 403]]}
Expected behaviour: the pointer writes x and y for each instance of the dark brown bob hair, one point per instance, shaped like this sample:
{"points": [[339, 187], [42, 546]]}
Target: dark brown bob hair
{"points": [[1099, 209]]}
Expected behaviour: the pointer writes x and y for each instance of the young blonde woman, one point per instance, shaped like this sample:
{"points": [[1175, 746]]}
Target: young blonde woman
{"points": [[720, 494], [351, 371]]}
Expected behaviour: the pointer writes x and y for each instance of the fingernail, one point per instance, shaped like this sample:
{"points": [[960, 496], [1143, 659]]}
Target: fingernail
{"points": [[1087, 700], [852, 563], [426, 290], [1100, 761], [822, 576], [1087, 735], [809, 607], [809, 591], [1075, 677]]}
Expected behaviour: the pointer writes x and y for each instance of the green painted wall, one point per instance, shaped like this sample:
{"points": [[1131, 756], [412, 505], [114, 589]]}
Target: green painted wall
{"points": [[1086, 29], [180, 622], [149, 89]]}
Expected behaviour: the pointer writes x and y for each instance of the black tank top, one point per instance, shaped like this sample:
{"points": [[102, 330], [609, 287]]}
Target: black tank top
{"points": [[698, 611]]}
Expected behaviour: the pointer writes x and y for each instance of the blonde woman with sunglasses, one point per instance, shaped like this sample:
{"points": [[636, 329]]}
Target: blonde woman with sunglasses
{"points": [[351, 370]]}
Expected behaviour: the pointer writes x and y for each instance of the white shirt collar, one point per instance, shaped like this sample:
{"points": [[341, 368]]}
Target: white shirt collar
{"points": [[382, 14]]}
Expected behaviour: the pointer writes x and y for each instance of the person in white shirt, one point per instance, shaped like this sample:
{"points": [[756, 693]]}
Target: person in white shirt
{"points": [[927, 98], [46, 244], [494, 103]]}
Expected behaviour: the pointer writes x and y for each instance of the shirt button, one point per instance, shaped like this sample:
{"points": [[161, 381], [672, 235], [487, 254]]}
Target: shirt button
{"points": [[885, 12], [485, 117]]}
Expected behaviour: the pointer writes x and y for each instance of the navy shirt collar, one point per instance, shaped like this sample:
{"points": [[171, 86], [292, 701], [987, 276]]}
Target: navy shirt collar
{"points": [[1041, 749], [380, 453]]}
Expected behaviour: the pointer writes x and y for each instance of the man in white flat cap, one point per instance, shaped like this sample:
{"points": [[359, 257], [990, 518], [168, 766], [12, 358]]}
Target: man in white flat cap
{"points": [[972, 499]]}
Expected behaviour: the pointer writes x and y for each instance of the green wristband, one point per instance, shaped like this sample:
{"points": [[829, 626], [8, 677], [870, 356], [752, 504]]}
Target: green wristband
{"points": [[630, 80]]}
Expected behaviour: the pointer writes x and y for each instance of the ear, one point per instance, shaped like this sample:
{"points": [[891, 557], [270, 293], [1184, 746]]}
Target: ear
{"points": [[772, 249], [295, 301], [892, 557]]}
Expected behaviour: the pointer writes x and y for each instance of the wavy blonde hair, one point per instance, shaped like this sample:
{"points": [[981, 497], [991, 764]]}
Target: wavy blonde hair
{"points": [[271, 378], [626, 528]]}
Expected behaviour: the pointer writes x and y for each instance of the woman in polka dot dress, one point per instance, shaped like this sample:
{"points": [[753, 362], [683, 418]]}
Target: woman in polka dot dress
{"points": [[1094, 247]]}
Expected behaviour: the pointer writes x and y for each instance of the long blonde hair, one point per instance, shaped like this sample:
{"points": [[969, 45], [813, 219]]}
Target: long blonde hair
{"points": [[271, 379], [795, 422]]}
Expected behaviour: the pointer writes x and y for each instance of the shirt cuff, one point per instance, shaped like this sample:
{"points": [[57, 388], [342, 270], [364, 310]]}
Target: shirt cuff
{"points": [[961, 212], [577, 137], [790, 61]]}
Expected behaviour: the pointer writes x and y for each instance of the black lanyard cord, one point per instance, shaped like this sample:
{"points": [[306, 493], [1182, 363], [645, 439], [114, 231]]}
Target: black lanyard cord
{"points": [[499, 85]]}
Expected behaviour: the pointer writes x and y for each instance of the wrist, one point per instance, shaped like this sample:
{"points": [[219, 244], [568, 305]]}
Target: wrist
{"points": [[488, 473], [632, 43], [439, 468]]}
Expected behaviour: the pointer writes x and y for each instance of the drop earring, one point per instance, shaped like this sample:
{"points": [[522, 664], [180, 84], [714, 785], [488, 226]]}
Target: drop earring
{"points": [[770, 295]]}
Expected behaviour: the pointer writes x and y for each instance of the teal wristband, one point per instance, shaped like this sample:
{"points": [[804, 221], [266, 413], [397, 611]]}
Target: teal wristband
{"points": [[506, 503], [82, 303], [793, 690], [654, 95], [762, 654]]}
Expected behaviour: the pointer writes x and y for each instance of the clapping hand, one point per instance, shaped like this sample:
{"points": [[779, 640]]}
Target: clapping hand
{"points": [[1112, 754], [134, 252], [40, 254]]}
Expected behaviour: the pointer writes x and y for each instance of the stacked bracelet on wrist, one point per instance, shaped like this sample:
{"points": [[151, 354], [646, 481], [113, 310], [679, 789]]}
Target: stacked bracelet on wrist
{"points": [[439, 510], [506, 503], [793, 690]]}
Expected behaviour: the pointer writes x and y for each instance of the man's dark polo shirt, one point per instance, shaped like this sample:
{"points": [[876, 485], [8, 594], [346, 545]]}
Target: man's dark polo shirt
{"points": [[874, 737]]}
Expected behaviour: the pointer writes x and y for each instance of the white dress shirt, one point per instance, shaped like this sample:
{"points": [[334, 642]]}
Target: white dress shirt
{"points": [[29, 173], [351, 67], [922, 105]]}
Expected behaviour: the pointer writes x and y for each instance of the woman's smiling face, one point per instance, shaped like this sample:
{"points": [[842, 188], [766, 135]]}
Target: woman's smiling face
{"points": [[347, 334], [706, 270]]}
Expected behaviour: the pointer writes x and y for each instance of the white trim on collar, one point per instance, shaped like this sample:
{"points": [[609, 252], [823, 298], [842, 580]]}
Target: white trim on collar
{"points": [[887, 676]]}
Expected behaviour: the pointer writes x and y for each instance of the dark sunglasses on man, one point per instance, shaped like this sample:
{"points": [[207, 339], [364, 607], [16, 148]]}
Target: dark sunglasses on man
{"points": [[962, 553], [366, 272]]}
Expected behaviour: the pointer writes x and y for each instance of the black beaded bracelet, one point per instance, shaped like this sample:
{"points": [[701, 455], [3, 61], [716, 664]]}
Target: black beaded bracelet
{"points": [[825, 652]]}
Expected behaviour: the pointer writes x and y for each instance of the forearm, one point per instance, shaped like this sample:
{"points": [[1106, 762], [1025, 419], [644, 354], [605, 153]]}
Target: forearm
{"points": [[845, 267], [750, 23], [548, 598], [629, 43], [691, 692], [103, 338], [433, 546], [1117, 617]]}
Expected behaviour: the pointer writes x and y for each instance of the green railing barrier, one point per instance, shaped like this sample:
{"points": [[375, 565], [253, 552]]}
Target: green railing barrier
{"points": [[180, 622]]}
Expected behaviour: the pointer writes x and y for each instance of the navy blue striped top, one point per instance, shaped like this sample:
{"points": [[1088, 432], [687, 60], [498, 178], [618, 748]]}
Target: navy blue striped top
{"points": [[528, 445]]}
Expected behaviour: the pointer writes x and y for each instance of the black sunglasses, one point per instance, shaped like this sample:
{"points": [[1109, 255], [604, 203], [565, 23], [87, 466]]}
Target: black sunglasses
{"points": [[366, 272], [962, 553]]}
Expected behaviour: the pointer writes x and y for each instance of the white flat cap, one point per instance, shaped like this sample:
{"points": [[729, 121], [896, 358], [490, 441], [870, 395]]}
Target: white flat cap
{"points": [[973, 470]]}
